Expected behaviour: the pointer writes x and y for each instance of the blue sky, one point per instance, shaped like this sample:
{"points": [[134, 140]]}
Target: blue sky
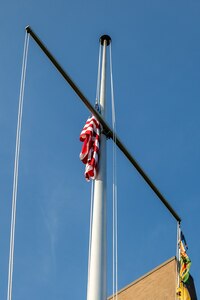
{"points": [[156, 69]]}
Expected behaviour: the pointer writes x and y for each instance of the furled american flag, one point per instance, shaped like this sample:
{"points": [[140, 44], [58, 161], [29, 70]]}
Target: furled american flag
{"points": [[90, 136]]}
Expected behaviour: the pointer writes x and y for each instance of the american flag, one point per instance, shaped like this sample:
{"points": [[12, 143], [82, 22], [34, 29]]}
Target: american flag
{"points": [[90, 136]]}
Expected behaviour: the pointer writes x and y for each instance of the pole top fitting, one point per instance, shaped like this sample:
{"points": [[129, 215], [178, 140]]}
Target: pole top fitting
{"points": [[105, 37], [28, 29]]}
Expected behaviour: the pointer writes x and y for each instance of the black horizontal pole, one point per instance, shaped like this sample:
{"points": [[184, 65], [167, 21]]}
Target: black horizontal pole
{"points": [[108, 131]]}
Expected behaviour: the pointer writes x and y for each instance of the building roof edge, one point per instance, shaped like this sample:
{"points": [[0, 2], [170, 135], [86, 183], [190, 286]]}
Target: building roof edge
{"points": [[145, 275]]}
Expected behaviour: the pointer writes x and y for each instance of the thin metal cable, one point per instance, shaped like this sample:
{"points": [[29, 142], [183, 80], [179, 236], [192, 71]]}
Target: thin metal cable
{"points": [[90, 233], [115, 208], [16, 167]]}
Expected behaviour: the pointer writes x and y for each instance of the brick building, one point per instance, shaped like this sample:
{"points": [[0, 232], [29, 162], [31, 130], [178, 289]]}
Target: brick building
{"points": [[158, 284]]}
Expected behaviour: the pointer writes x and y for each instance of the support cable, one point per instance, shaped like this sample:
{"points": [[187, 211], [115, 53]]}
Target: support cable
{"points": [[16, 167]]}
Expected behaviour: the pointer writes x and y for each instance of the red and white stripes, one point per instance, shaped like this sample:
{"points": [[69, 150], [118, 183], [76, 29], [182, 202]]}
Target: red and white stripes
{"points": [[90, 136]]}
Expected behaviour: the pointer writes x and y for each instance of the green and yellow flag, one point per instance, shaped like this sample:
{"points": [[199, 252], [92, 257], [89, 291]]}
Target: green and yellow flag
{"points": [[183, 293], [185, 262]]}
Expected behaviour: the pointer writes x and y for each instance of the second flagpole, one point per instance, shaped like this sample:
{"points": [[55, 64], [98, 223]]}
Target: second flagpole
{"points": [[97, 276]]}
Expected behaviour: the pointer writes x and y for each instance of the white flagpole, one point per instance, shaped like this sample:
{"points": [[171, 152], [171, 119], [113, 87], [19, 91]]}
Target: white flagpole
{"points": [[178, 253], [98, 254]]}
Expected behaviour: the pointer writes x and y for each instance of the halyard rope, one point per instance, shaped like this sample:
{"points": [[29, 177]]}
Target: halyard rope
{"points": [[115, 210], [16, 167]]}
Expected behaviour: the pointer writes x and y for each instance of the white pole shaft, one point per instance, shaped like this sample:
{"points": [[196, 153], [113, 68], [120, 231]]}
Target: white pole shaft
{"points": [[178, 253], [97, 271]]}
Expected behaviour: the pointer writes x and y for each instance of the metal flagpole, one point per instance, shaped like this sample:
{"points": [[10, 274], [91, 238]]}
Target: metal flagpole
{"points": [[98, 253], [177, 296]]}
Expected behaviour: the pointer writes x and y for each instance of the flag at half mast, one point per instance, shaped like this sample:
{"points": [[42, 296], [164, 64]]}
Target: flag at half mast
{"points": [[90, 136]]}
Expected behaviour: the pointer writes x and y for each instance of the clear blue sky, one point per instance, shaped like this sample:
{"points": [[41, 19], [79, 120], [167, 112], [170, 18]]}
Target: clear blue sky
{"points": [[156, 68]]}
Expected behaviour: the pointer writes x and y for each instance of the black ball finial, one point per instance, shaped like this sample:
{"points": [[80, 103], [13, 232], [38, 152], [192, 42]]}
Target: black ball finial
{"points": [[105, 37]]}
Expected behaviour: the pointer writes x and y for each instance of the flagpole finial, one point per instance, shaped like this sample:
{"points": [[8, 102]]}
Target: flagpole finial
{"points": [[105, 37]]}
